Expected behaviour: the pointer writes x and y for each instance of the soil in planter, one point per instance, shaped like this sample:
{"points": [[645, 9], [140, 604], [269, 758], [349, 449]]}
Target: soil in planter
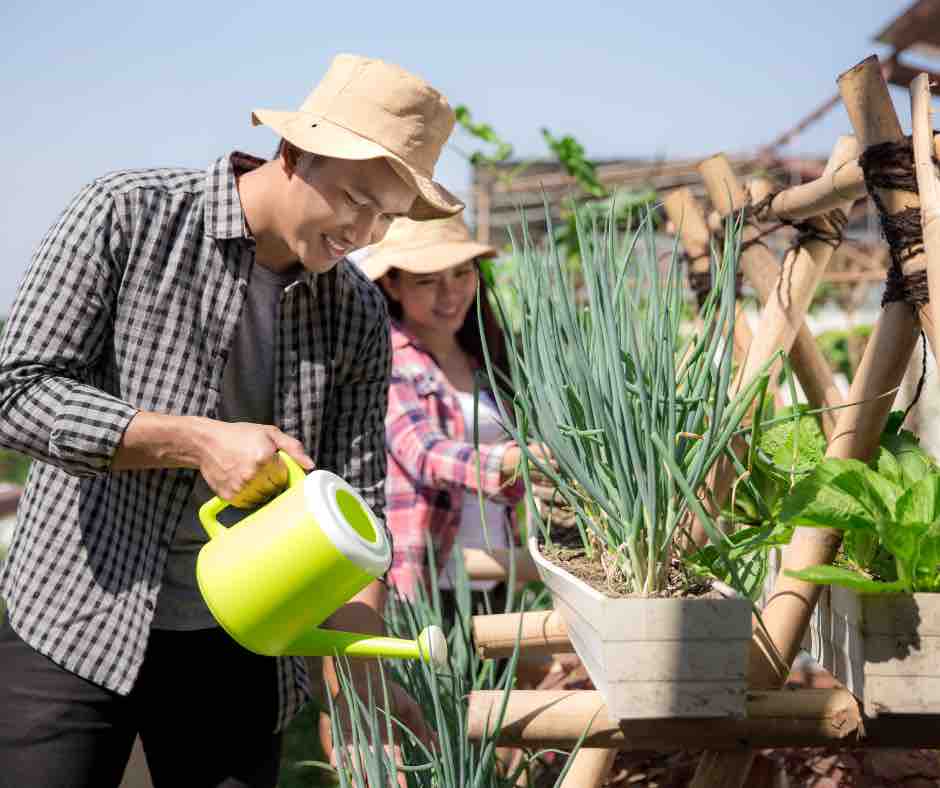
{"points": [[568, 553]]}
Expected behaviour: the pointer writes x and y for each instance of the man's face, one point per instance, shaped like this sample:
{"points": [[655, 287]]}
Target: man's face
{"points": [[334, 206]]}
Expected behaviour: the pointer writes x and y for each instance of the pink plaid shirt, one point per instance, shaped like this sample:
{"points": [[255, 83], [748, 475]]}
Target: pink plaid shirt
{"points": [[431, 463]]}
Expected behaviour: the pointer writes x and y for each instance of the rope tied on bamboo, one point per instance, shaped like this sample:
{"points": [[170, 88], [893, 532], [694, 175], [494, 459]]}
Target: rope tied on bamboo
{"points": [[890, 165], [835, 222]]}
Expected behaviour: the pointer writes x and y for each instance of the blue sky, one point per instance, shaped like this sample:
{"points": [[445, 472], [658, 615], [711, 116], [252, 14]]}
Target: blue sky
{"points": [[89, 88]]}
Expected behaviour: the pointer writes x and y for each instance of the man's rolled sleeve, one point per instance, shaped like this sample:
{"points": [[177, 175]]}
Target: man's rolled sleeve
{"points": [[57, 333]]}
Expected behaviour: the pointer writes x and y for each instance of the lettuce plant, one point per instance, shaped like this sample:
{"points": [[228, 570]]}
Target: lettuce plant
{"points": [[889, 513]]}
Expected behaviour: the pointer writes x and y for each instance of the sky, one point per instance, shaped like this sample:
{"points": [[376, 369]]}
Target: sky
{"points": [[88, 88]]}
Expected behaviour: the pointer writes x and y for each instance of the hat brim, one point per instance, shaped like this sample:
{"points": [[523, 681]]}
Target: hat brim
{"points": [[427, 258], [317, 135]]}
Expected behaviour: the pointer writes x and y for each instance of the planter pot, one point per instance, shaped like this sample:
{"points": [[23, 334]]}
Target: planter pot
{"points": [[656, 658], [885, 649]]}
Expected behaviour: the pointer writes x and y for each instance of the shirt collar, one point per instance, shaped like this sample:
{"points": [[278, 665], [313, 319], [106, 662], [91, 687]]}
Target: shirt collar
{"points": [[401, 338], [224, 217]]}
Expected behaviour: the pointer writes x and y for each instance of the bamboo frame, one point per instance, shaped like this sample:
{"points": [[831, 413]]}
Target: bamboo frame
{"points": [[765, 275], [785, 292], [495, 564], [776, 718], [842, 183], [542, 632], [684, 212], [928, 184], [590, 767], [786, 616]]}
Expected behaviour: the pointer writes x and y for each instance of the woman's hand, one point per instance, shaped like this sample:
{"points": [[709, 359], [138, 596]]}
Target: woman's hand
{"points": [[542, 486]]}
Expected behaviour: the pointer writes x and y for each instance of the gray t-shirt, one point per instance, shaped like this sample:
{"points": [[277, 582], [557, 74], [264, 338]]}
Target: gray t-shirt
{"points": [[247, 395]]}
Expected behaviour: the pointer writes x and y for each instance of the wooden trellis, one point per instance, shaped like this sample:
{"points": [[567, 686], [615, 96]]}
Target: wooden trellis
{"points": [[775, 717]]}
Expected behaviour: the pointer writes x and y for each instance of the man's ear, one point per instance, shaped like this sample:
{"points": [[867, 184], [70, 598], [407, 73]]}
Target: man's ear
{"points": [[289, 156]]}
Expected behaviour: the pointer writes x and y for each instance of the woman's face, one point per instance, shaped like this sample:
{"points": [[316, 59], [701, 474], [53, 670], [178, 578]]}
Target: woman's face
{"points": [[437, 302]]}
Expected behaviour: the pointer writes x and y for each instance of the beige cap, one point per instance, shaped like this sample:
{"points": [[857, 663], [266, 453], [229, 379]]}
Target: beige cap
{"points": [[423, 247], [366, 109]]}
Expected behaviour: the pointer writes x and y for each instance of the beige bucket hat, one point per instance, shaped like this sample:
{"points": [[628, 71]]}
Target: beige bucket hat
{"points": [[423, 247], [367, 109]]}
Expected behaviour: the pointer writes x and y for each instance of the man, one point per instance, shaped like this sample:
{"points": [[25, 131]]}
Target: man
{"points": [[169, 320]]}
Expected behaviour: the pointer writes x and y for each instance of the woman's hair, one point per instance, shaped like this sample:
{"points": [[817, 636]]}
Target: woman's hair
{"points": [[468, 335]]}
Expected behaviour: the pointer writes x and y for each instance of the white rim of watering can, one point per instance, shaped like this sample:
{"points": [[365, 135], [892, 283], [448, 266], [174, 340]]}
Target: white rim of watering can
{"points": [[320, 488]]}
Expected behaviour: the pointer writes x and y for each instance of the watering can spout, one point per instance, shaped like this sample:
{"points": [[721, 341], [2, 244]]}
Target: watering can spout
{"points": [[430, 646]]}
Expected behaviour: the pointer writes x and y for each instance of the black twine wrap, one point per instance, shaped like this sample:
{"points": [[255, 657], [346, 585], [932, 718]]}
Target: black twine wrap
{"points": [[890, 165]]}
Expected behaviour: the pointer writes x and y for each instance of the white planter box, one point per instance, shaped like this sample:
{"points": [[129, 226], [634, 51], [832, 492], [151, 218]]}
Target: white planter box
{"points": [[885, 648], [656, 658]]}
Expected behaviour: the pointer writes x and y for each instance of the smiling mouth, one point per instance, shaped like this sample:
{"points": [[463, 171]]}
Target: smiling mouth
{"points": [[334, 248]]}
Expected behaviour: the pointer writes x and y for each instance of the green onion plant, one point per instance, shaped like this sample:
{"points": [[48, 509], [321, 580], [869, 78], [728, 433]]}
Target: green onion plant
{"points": [[454, 762], [635, 405]]}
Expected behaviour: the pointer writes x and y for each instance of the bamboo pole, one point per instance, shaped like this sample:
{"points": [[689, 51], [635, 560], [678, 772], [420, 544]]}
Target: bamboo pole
{"points": [[843, 183], [542, 632], [590, 768], [684, 212], [858, 431], [778, 718], [883, 366], [763, 274], [494, 564], [786, 292], [928, 184], [789, 298]]}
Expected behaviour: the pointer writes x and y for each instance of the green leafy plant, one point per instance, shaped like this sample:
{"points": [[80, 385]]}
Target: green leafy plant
{"points": [[634, 408], [785, 447], [889, 511]]}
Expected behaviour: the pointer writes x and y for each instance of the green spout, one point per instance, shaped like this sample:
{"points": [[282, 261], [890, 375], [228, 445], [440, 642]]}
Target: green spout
{"points": [[430, 646]]}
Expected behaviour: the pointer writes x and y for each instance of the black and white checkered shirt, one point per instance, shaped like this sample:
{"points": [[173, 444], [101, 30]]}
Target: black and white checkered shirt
{"points": [[131, 303]]}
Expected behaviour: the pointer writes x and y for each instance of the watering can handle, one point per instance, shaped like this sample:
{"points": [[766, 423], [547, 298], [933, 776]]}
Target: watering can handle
{"points": [[209, 511]]}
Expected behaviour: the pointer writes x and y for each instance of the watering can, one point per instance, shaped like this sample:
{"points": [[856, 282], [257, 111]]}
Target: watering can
{"points": [[271, 579]]}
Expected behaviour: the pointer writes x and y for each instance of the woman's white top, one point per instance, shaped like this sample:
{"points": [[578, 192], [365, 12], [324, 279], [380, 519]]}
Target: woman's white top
{"points": [[471, 530]]}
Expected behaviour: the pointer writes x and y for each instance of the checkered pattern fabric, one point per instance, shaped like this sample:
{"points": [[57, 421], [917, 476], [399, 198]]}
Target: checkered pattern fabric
{"points": [[432, 463], [131, 303]]}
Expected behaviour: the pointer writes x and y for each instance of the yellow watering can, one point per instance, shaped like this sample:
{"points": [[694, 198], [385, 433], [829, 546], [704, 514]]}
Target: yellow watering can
{"points": [[275, 576]]}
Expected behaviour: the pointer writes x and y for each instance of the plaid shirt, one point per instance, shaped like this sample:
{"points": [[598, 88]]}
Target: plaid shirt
{"points": [[431, 463], [131, 303]]}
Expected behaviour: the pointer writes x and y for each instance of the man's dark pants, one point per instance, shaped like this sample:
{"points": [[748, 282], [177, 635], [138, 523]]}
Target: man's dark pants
{"points": [[204, 707]]}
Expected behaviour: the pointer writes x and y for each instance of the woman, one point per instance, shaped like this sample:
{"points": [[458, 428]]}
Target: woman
{"points": [[429, 273]]}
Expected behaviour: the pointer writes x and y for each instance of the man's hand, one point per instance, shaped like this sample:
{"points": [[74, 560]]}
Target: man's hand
{"points": [[238, 461], [240, 464]]}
